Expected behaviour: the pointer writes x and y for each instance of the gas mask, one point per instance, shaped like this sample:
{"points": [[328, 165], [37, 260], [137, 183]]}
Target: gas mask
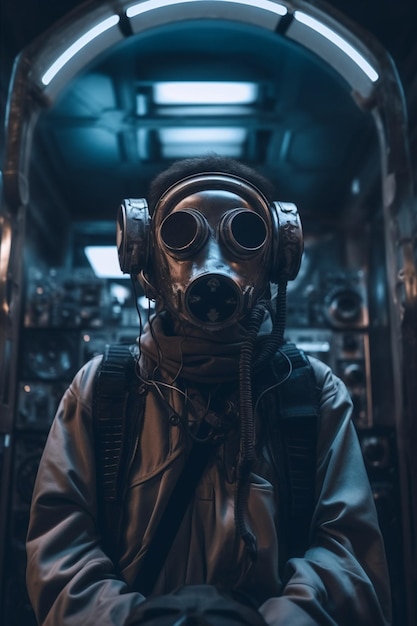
{"points": [[211, 248]]}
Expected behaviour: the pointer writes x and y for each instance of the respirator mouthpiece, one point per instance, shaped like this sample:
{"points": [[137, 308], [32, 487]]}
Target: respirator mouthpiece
{"points": [[213, 301]]}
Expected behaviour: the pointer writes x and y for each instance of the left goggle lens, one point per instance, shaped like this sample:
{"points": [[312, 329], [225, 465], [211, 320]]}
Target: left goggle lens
{"points": [[183, 232]]}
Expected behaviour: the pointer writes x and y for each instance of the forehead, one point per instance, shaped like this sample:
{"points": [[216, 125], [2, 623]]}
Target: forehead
{"points": [[212, 202]]}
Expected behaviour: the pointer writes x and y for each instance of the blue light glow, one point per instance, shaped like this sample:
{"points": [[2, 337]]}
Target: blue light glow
{"points": [[77, 46], [338, 41]]}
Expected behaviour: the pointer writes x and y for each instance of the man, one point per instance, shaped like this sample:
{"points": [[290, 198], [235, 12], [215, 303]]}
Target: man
{"points": [[212, 361]]}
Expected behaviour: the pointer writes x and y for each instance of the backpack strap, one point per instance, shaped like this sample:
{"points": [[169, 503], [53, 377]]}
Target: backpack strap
{"points": [[291, 413], [299, 414], [118, 407], [179, 499]]}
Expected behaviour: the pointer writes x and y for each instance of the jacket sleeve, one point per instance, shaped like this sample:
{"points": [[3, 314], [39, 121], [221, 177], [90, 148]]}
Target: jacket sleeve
{"points": [[342, 579], [70, 580]]}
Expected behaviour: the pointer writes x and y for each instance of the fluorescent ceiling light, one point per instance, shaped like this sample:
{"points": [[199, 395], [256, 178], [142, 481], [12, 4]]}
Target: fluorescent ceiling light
{"points": [[207, 92], [77, 46], [104, 261], [149, 5], [180, 150], [189, 142], [202, 135], [211, 110], [338, 41]]}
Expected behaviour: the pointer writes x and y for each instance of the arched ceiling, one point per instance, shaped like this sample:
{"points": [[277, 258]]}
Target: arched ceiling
{"points": [[106, 134], [303, 129]]}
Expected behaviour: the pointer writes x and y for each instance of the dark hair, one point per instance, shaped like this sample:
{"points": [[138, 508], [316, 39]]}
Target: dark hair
{"points": [[207, 163]]}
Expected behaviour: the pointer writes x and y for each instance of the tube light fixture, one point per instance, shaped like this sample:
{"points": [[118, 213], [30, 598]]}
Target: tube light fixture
{"points": [[80, 43], [198, 135], [149, 5], [338, 41], [194, 149], [205, 92], [178, 142]]}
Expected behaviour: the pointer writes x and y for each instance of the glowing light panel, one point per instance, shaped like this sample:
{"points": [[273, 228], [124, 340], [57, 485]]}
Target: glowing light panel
{"points": [[200, 135], [338, 41], [77, 46], [104, 261], [205, 92], [178, 142], [149, 5]]}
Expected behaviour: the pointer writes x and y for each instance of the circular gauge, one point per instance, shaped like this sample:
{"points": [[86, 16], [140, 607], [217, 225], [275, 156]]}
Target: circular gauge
{"points": [[344, 306]]}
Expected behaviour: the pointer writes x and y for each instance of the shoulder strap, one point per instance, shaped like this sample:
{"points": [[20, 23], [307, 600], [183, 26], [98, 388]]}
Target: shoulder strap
{"points": [[292, 422], [118, 406], [173, 514], [299, 413]]}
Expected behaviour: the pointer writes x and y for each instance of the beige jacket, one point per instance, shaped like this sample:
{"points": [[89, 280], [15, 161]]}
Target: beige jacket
{"points": [[342, 579]]}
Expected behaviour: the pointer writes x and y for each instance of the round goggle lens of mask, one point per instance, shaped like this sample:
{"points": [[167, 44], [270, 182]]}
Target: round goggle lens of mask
{"points": [[244, 231], [183, 232], [213, 300]]}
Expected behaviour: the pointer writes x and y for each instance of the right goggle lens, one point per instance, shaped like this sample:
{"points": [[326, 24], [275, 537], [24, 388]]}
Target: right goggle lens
{"points": [[244, 231]]}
